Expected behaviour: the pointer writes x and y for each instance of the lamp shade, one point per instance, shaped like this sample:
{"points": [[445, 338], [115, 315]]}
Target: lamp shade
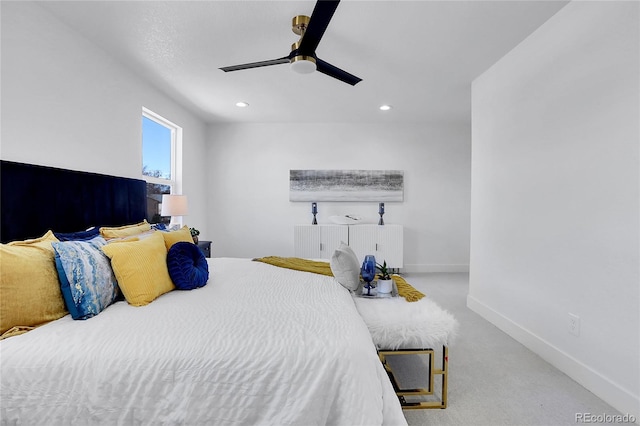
{"points": [[174, 205]]}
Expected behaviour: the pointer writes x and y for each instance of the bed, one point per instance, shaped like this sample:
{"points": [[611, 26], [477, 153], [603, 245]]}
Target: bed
{"points": [[257, 344]]}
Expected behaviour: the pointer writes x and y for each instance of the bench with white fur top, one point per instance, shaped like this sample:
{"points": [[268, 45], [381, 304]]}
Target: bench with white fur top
{"points": [[399, 327]]}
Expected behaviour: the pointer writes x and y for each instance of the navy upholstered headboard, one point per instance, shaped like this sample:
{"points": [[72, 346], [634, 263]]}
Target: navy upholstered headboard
{"points": [[34, 199]]}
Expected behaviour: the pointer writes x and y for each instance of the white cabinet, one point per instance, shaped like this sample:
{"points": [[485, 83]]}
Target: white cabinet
{"points": [[384, 242], [318, 241]]}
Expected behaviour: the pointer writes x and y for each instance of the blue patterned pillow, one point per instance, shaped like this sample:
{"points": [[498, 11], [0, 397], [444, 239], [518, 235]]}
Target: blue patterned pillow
{"points": [[188, 268], [86, 279], [78, 236]]}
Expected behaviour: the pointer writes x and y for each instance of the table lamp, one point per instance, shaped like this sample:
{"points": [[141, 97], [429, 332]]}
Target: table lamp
{"points": [[174, 206]]}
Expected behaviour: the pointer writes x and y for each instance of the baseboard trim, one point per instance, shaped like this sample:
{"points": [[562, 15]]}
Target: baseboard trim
{"points": [[601, 386], [421, 267]]}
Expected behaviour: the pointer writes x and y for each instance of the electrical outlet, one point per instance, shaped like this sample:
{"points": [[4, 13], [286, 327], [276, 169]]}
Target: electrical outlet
{"points": [[574, 324]]}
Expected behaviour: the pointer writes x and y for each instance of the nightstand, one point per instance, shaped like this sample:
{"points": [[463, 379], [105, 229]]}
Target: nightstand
{"points": [[205, 246]]}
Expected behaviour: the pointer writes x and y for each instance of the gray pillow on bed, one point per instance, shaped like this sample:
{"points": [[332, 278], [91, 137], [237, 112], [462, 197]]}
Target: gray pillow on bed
{"points": [[345, 267]]}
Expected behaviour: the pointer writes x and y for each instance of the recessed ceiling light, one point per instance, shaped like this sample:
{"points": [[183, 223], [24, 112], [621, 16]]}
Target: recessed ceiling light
{"points": [[242, 104], [385, 107]]}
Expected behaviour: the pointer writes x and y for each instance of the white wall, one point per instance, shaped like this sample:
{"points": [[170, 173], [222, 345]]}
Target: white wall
{"points": [[555, 196], [248, 176], [66, 103]]}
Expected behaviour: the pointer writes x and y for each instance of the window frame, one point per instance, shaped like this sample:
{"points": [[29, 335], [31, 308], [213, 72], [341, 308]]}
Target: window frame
{"points": [[175, 183]]}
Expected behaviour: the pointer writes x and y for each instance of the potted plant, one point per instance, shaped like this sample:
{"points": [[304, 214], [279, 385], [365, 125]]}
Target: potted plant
{"points": [[385, 283], [194, 235]]}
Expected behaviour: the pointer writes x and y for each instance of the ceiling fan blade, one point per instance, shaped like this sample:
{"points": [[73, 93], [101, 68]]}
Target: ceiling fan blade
{"points": [[283, 60], [320, 18], [335, 72]]}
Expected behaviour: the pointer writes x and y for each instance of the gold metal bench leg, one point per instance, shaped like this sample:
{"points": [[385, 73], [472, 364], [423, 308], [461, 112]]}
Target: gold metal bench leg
{"points": [[442, 372], [445, 375]]}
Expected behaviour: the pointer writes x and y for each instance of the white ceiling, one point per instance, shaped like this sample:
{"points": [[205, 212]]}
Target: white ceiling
{"points": [[419, 56]]}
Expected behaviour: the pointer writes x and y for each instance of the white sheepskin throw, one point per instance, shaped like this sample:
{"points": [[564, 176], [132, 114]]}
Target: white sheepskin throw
{"points": [[395, 323]]}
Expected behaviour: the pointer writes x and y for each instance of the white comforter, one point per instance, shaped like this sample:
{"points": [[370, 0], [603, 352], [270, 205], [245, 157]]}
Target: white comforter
{"points": [[257, 345]]}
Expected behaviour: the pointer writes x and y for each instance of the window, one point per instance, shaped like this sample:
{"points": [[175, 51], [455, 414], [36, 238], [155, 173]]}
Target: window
{"points": [[161, 161]]}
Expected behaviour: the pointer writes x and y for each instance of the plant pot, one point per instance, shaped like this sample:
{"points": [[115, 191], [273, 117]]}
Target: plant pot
{"points": [[195, 239], [385, 286]]}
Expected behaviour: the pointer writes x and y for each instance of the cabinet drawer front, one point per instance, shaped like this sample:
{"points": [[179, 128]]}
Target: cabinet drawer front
{"points": [[384, 242], [318, 241]]}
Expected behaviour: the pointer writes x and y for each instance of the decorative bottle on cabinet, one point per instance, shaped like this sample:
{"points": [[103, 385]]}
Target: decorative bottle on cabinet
{"points": [[314, 212]]}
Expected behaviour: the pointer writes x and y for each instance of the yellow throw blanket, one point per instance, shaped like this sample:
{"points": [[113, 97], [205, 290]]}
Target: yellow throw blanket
{"points": [[405, 289]]}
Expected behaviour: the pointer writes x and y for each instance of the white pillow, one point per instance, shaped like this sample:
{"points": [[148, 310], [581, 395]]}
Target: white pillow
{"points": [[345, 267]]}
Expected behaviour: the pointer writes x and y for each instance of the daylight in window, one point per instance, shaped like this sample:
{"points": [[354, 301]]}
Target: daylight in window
{"points": [[159, 161]]}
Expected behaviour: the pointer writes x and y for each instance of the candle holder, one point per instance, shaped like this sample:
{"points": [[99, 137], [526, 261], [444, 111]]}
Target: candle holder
{"points": [[381, 212], [314, 211]]}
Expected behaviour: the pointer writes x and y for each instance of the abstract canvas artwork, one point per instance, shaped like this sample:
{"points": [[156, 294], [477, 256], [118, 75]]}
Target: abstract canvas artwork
{"points": [[346, 185]]}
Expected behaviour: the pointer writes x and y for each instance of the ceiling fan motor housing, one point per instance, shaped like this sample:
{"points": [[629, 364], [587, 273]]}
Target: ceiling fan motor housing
{"points": [[303, 64]]}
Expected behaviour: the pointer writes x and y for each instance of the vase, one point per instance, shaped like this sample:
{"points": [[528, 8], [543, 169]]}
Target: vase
{"points": [[385, 286], [368, 272]]}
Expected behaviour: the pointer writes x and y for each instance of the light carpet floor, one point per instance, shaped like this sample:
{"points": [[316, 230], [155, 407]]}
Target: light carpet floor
{"points": [[493, 379]]}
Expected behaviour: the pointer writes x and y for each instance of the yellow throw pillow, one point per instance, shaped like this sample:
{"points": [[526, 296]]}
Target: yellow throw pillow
{"points": [[141, 268], [124, 231], [29, 288], [183, 234]]}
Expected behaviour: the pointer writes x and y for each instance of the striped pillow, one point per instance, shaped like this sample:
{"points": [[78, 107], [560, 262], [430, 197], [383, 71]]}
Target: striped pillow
{"points": [[141, 268], [125, 231], [183, 234]]}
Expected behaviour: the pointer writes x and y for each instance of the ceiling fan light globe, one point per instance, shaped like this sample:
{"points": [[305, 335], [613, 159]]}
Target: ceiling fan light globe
{"points": [[303, 64]]}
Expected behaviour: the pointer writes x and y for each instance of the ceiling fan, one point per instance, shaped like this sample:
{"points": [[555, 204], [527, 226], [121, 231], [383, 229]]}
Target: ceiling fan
{"points": [[303, 57]]}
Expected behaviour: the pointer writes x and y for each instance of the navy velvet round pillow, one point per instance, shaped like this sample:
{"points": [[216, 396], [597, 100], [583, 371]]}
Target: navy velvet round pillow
{"points": [[187, 266]]}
